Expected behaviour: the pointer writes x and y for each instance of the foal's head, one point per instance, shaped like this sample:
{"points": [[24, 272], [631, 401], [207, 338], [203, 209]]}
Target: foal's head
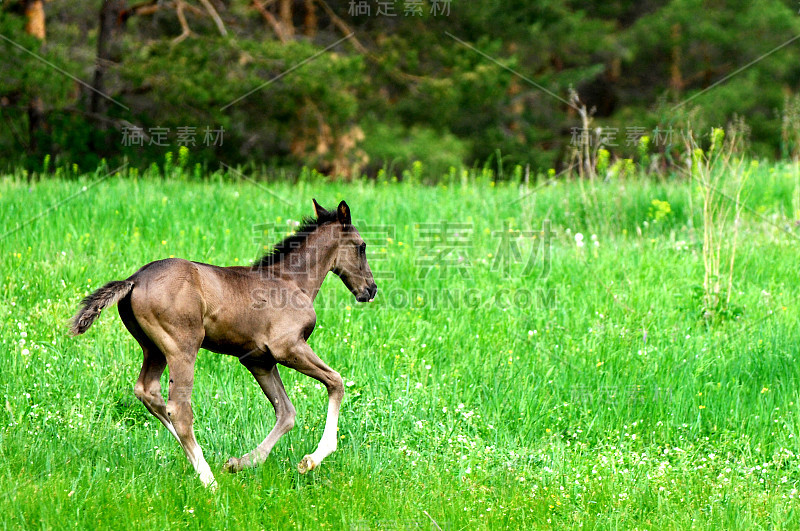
{"points": [[350, 262]]}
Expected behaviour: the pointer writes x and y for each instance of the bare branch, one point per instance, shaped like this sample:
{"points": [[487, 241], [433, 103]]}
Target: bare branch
{"points": [[215, 17], [144, 8], [343, 27], [271, 20], [179, 6]]}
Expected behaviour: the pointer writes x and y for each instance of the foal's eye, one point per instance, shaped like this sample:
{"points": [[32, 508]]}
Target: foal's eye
{"points": [[362, 248]]}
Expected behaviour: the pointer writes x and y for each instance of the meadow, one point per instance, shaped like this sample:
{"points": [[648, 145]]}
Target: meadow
{"points": [[537, 357]]}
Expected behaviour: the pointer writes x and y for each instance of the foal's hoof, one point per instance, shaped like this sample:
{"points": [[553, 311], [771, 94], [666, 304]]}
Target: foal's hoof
{"points": [[209, 482], [233, 465], [306, 464]]}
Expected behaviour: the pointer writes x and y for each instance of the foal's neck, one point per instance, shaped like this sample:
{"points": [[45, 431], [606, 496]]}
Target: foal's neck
{"points": [[308, 265]]}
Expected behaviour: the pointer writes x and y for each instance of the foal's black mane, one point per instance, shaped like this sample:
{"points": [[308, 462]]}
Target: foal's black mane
{"points": [[295, 240]]}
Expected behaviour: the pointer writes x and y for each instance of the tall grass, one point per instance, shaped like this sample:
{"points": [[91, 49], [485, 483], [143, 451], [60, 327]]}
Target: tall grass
{"points": [[720, 177]]}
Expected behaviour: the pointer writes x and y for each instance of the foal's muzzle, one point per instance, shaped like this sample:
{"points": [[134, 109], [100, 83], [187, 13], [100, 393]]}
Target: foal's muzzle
{"points": [[368, 293]]}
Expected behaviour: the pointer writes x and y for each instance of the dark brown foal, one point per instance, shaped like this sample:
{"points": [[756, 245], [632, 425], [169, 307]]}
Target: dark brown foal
{"points": [[262, 314]]}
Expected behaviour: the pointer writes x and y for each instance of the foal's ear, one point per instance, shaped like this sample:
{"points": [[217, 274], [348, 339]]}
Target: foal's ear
{"points": [[343, 214], [318, 210]]}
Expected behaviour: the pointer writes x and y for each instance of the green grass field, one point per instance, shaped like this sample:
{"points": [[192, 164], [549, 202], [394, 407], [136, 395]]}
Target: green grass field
{"points": [[495, 382]]}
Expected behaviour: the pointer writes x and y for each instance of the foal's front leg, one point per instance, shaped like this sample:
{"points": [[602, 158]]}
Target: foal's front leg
{"points": [[301, 358], [270, 382]]}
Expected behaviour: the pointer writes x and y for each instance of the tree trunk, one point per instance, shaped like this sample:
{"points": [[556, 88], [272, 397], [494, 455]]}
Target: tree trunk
{"points": [[35, 122], [676, 78], [110, 14], [35, 26], [35, 20], [310, 23], [285, 11]]}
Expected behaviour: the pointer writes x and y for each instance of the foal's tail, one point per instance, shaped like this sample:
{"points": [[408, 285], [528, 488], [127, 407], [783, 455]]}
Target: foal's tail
{"points": [[92, 305]]}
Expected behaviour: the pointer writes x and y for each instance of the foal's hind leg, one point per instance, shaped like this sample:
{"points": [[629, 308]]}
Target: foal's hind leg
{"points": [[179, 410], [270, 382], [165, 306], [148, 385]]}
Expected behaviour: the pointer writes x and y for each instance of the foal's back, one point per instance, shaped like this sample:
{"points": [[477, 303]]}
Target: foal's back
{"points": [[230, 310]]}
